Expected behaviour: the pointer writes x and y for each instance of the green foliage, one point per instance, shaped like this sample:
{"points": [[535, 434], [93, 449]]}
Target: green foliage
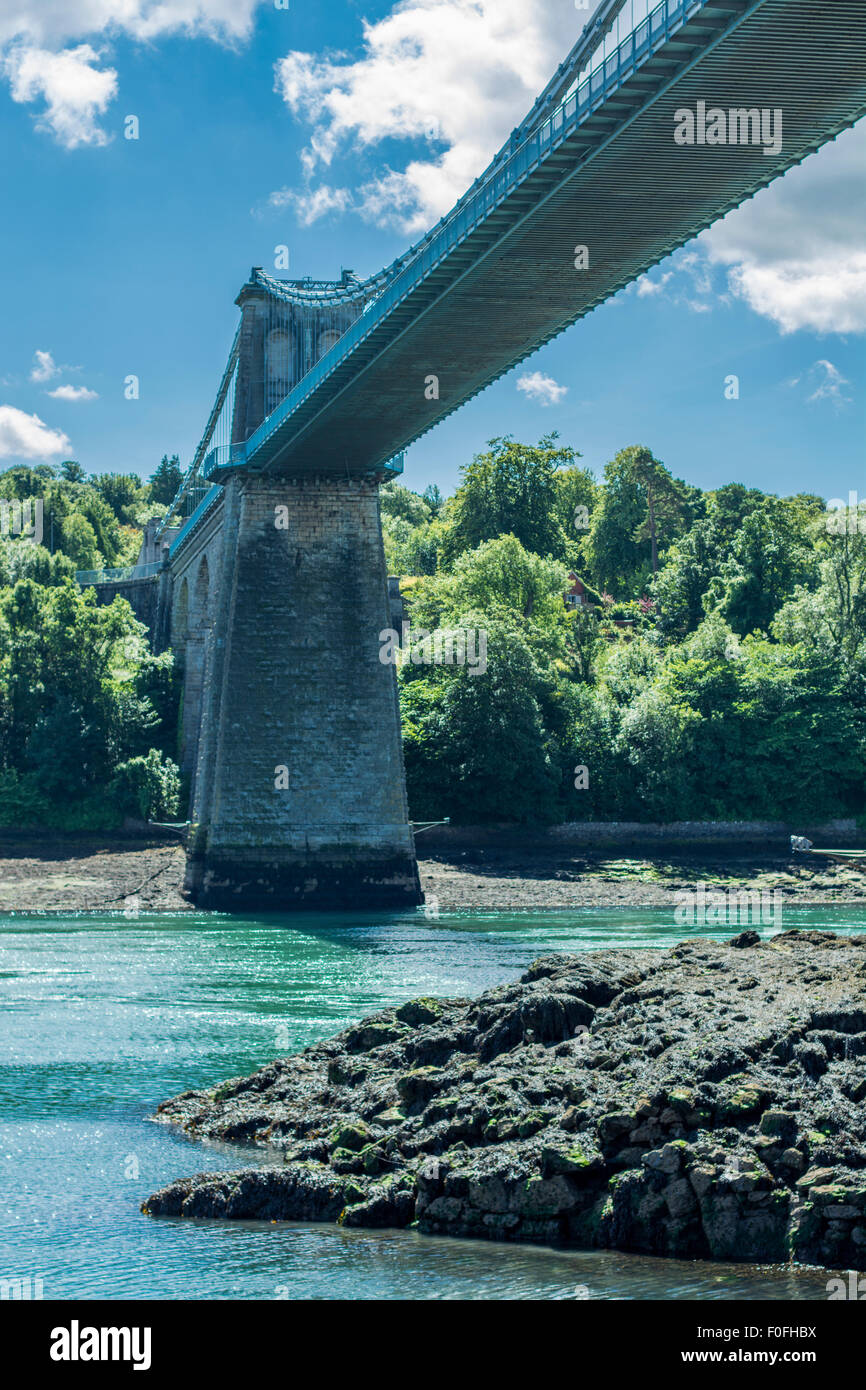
{"points": [[77, 520], [24, 805], [88, 716], [22, 560], [123, 492], [147, 787], [166, 480], [511, 490], [395, 500], [78, 541], [737, 691], [477, 744], [769, 557], [734, 687], [80, 695], [499, 578], [641, 510]]}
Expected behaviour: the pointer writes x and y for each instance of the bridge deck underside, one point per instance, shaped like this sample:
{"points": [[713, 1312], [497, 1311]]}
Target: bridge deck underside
{"points": [[622, 187]]}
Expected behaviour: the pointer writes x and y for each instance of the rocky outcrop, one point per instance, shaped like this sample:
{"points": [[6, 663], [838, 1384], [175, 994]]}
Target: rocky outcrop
{"points": [[705, 1101]]}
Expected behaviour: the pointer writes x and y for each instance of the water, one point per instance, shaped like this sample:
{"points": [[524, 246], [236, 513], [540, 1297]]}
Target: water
{"points": [[103, 1017]]}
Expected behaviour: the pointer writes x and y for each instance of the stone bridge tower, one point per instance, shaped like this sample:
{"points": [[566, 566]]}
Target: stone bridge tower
{"points": [[299, 793]]}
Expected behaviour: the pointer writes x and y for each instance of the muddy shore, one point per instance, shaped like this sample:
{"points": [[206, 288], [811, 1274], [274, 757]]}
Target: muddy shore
{"points": [[95, 874]]}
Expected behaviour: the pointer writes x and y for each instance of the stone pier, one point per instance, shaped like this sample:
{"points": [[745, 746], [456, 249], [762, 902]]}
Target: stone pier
{"points": [[299, 796]]}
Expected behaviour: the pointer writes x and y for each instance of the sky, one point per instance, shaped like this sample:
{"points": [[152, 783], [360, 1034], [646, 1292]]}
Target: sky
{"points": [[342, 131]]}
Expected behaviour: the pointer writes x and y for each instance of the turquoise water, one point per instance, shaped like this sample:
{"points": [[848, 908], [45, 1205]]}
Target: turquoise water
{"points": [[101, 1017]]}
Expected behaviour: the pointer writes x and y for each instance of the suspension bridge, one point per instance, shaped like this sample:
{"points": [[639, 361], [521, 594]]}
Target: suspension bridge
{"points": [[275, 587]]}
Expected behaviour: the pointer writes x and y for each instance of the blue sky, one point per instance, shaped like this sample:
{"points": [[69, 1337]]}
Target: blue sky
{"points": [[343, 131]]}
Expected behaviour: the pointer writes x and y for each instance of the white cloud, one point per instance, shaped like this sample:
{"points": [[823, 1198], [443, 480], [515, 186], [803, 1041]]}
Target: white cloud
{"points": [[44, 366], [54, 22], [311, 204], [76, 90], [541, 388], [73, 393], [823, 382], [795, 253], [26, 436], [458, 73], [646, 286]]}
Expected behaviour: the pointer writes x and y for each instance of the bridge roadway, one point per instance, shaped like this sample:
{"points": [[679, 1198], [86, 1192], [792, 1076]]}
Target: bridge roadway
{"points": [[497, 278]]}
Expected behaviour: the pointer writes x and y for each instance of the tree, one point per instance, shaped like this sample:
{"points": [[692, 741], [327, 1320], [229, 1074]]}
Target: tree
{"points": [[121, 491], [147, 786], [34, 562], [615, 557], [72, 472], [774, 733], [770, 555], [510, 490], [79, 696], [434, 499], [412, 550], [477, 747], [399, 501], [165, 482], [666, 502], [98, 542], [501, 579], [577, 494], [830, 621], [78, 541], [641, 502], [681, 584]]}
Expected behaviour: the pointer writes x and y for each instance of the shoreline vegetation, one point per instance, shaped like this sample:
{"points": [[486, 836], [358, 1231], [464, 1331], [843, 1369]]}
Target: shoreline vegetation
{"points": [[105, 874], [699, 1102], [652, 651]]}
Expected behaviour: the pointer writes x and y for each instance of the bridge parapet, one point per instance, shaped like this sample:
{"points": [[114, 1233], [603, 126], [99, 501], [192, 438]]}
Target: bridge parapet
{"points": [[125, 574]]}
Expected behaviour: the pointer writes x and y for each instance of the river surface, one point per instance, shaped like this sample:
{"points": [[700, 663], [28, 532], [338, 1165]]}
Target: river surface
{"points": [[102, 1017]]}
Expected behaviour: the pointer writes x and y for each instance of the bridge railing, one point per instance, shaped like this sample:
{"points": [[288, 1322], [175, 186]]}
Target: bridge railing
{"points": [[124, 574], [223, 456], [210, 498]]}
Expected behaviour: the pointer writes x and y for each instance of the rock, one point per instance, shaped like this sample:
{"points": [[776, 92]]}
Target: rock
{"points": [[778, 1123], [666, 1160], [375, 1032], [417, 1086], [793, 1159], [353, 1136], [709, 1108], [745, 940], [419, 1011], [573, 1160]]}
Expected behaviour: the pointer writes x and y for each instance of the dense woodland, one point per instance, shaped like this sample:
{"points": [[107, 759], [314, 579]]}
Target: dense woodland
{"points": [[88, 716], [736, 689], [718, 670]]}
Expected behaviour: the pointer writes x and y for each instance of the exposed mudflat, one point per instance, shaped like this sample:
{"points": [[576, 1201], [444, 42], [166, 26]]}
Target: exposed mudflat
{"points": [[91, 875], [98, 874], [705, 1101], [503, 879]]}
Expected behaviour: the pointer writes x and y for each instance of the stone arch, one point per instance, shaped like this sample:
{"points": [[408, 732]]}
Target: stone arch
{"points": [[328, 338], [180, 620], [202, 591], [280, 364]]}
